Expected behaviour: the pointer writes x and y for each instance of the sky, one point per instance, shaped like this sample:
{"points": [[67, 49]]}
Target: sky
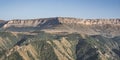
{"points": [[30, 9]]}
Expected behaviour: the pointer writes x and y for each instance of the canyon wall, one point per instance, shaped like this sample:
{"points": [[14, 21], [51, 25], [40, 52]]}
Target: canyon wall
{"points": [[29, 22], [105, 27], [89, 21], [62, 20]]}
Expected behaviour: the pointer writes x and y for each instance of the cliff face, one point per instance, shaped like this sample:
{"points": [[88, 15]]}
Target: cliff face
{"points": [[31, 22], [105, 27], [60, 39], [48, 21], [89, 21]]}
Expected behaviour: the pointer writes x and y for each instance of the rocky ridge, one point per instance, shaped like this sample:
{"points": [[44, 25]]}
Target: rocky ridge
{"points": [[105, 27], [62, 20], [60, 38]]}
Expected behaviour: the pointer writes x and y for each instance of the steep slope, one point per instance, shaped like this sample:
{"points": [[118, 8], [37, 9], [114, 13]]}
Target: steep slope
{"points": [[60, 38], [2, 22], [46, 46]]}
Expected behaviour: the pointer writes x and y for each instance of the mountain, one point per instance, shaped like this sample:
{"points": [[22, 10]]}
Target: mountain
{"points": [[105, 27], [60, 38]]}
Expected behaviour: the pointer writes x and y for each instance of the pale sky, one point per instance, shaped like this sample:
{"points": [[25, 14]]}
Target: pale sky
{"points": [[29, 9]]}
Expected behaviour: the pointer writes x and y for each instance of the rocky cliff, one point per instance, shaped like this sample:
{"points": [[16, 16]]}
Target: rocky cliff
{"points": [[105, 27], [31, 22], [62, 20], [89, 21], [60, 38]]}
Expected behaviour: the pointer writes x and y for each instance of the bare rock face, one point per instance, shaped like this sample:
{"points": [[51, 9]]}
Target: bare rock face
{"points": [[60, 38], [30, 22], [62, 20], [89, 21], [36, 22], [105, 27]]}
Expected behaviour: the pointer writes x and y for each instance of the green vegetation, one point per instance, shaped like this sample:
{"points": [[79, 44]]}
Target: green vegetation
{"points": [[82, 48], [9, 39], [45, 51], [14, 56]]}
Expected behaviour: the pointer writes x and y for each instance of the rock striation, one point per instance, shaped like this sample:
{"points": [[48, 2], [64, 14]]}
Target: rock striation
{"points": [[60, 38], [107, 27], [89, 21], [62, 20], [30, 22]]}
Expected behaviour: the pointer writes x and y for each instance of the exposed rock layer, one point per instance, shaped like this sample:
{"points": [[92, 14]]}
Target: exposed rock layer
{"points": [[105, 27], [37, 22]]}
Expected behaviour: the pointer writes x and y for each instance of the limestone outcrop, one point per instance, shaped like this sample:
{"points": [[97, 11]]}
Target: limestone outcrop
{"points": [[107, 27]]}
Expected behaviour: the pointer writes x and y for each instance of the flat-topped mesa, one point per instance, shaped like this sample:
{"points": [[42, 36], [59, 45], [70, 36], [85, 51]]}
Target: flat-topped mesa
{"points": [[55, 21], [31, 22], [89, 21]]}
